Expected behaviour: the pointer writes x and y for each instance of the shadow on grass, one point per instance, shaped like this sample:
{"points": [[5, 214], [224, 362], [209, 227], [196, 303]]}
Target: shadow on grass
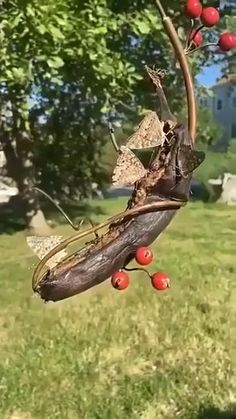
{"points": [[214, 413], [12, 221]]}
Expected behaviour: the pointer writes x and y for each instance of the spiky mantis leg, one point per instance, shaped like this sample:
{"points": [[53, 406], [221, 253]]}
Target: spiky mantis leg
{"points": [[113, 138], [75, 227]]}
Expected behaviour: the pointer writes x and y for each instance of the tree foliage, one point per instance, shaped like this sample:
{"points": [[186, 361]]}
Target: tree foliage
{"points": [[65, 68]]}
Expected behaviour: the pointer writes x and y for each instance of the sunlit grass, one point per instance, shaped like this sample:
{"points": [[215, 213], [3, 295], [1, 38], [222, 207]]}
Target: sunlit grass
{"points": [[133, 354]]}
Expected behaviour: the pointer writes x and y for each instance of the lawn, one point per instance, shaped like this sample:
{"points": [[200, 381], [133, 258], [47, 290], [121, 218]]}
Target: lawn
{"points": [[134, 354]]}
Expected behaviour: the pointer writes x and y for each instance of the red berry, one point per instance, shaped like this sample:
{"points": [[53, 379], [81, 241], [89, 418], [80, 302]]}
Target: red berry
{"points": [[160, 281], [210, 16], [143, 256], [196, 37], [227, 41], [193, 9], [120, 280]]}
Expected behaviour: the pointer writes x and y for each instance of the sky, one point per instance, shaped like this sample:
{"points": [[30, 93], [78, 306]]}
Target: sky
{"points": [[209, 75]]}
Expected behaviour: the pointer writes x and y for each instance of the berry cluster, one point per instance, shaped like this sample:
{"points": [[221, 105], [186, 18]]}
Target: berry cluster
{"points": [[143, 256], [209, 17]]}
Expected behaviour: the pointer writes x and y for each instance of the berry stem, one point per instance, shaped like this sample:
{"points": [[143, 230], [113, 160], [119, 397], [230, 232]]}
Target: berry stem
{"points": [[210, 44], [184, 65], [137, 269], [187, 42], [190, 42]]}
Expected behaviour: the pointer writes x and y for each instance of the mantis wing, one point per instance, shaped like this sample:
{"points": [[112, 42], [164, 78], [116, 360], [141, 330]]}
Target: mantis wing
{"points": [[42, 245], [149, 133], [128, 168]]}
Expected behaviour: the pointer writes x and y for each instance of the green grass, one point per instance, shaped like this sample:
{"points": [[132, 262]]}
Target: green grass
{"points": [[133, 354]]}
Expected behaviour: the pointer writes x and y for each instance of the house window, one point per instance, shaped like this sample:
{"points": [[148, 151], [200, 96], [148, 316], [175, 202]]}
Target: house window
{"points": [[234, 102], [233, 131], [204, 103], [219, 105]]}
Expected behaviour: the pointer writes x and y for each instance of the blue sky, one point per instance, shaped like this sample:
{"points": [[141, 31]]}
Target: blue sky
{"points": [[209, 75]]}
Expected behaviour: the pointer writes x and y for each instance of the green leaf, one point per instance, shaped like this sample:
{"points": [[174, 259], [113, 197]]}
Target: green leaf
{"points": [[42, 28], [91, 48], [18, 73], [55, 62], [57, 81], [143, 27], [56, 32]]}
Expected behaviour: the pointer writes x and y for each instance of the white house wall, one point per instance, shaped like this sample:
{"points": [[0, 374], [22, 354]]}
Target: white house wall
{"points": [[226, 116]]}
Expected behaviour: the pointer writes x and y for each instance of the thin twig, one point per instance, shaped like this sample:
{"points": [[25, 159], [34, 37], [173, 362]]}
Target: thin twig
{"points": [[161, 9], [180, 54], [210, 44]]}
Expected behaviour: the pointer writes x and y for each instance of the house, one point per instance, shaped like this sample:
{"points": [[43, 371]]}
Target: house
{"points": [[223, 103]]}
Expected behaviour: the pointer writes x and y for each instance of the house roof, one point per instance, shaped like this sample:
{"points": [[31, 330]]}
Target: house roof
{"points": [[229, 76], [226, 79]]}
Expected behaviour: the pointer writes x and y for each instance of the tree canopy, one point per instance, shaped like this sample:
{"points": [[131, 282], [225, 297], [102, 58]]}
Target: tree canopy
{"points": [[65, 68]]}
